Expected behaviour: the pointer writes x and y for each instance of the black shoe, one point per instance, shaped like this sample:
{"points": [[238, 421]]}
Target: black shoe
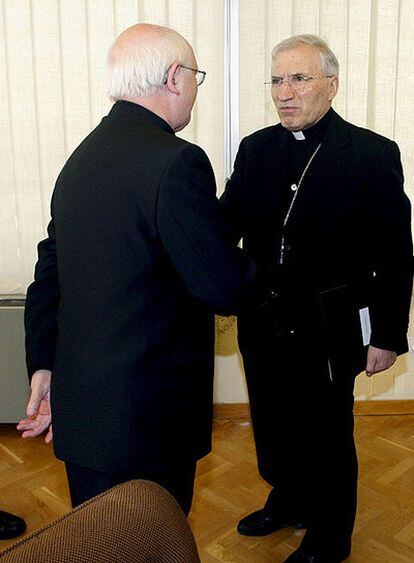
{"points": [[10, 525], [308, 553], [263, 522]]}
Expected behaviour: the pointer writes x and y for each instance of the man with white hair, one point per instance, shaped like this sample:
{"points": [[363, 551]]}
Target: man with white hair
{"points": [[320, 206], [119, 318]]}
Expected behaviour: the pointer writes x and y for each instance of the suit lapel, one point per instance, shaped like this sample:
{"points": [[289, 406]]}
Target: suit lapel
{"points": [[332, 158]]}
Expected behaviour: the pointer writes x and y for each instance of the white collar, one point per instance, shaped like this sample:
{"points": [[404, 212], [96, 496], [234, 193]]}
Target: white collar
{"points": [[299, 136]]}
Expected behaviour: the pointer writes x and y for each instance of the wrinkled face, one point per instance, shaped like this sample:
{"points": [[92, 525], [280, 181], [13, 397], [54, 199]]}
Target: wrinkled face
{"points": [[304, 106], [187, 82]]}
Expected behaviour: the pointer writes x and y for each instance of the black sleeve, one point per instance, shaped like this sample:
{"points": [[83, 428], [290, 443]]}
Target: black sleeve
{"points": [[389, 225], [231, 201], [42, 302], [191, 229]]}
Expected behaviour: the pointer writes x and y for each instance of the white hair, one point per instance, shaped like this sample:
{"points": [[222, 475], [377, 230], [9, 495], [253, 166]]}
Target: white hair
{"points": [[330, 65], [138, 66]]}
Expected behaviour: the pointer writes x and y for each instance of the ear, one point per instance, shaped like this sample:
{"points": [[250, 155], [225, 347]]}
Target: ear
{"points": [[171, 82], [333, 87]]}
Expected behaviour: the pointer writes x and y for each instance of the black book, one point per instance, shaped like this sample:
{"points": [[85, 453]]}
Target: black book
{"points": [[346, 332]]}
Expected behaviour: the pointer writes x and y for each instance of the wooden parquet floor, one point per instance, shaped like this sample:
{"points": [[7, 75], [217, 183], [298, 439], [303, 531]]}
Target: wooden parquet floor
{"points": [[33, 485]]}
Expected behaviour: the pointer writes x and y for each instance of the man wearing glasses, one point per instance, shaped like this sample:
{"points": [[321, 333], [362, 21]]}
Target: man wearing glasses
{"points": [[119, 319], [320, 206]]}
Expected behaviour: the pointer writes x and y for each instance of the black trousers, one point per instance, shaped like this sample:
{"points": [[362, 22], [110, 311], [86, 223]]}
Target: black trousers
{"points": [[303, 428], [177, 478]]}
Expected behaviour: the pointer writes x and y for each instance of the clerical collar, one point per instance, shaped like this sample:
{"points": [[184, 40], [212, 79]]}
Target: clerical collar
{"points": [[315, 132], [299, 136]]}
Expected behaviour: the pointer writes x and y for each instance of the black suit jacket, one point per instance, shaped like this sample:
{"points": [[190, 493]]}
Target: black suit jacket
{"points": [[350, 224], [121, 309]]}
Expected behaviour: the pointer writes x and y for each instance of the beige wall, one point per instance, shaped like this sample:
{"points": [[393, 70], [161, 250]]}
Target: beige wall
{"points": [[395, 384], [52, 92]]}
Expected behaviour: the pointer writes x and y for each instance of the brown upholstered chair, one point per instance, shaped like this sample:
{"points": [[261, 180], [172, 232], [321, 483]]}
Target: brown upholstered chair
{"points": [[135, 522]]}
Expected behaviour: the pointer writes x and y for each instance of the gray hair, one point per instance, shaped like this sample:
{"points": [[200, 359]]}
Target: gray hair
{"points": [[138, 66], [329, 62]]}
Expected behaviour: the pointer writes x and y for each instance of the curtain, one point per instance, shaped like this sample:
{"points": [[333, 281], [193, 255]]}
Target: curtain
{"points": [[53, 92]]}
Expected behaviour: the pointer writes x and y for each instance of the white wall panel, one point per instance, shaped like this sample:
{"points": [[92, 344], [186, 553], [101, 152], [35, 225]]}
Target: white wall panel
{"points": [[305, 16], [48, 99], [254, 69], [404, 94], [24, 134], [53, 92], [354, 84], [334, 28], [208, 116], [155, 12], [75, 72], [382, 72], [125, 14], [10, 260], [100, 34]]}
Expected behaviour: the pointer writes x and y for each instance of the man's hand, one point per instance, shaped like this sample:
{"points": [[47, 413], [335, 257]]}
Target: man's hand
{"points": [[38, 409], [379, 360]]}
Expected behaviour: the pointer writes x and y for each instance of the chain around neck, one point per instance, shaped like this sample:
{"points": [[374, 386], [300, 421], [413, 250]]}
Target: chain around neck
{"points": [[292, 203]]}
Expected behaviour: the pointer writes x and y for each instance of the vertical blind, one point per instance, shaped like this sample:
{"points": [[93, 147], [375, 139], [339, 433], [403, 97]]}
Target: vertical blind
{"points": [[53, 83], [53, 92]]}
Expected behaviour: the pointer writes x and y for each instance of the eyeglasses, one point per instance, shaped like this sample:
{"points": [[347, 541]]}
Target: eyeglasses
{"points": [[200, 74], [298, 82]]}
